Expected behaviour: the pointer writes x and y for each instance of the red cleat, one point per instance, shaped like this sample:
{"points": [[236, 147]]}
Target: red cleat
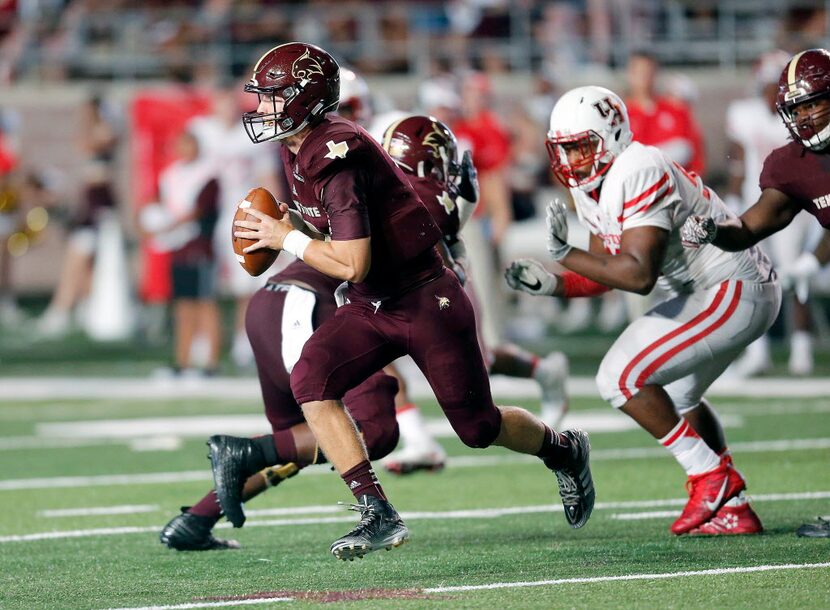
{"points": [[729, 521], [708, 492]]}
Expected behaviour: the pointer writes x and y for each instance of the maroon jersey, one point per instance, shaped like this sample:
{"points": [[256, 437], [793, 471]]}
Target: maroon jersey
{"points": [[440, 203], [298, 271], [802, 175], [346, 186]]}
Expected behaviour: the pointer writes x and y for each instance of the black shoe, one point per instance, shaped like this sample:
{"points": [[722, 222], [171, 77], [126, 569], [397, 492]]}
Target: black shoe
{"points": [[380, 527], [188, 532], [232, 460], [576, 487], [820, 529]]}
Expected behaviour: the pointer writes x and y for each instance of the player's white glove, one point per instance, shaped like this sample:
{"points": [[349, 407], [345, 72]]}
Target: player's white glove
{"points": [[528, 275], [797, 275], [468, 190], [698, 231], [556, 218]]}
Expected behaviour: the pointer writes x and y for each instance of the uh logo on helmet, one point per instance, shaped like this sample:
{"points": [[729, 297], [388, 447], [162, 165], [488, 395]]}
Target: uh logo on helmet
{"points": [[307, 81], [589, 128], [804, 98]]}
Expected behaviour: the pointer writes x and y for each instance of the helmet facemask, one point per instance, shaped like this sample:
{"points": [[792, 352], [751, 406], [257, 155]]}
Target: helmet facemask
{"points": [[593, 154], [275, 125], [812, 130]]}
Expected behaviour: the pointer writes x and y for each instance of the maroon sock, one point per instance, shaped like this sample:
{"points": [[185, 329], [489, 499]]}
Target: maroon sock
{"points": [[362, 481], [207, 507], [556, 449]]}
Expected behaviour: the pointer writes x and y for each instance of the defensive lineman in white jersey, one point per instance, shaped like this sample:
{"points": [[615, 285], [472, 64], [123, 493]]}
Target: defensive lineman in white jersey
{"points": [[634, 200]]}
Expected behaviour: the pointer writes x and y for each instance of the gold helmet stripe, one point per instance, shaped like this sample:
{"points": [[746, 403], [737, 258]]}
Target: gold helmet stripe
{"points": [[791, 71], [387, 135]]}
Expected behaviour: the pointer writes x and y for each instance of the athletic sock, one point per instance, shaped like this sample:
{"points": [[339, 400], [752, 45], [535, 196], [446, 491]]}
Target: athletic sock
{"points": [[689, 450], [556, 449], [362, 481], [207, 507]]}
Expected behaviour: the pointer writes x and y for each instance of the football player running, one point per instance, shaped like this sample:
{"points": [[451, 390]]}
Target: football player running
{"points": [[633, 200], [279, 319], [427, 152], [381, 238], [795, 177]]}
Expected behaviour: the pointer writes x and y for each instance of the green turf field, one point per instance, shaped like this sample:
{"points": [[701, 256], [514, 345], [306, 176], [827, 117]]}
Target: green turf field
{"points": [[460, 538]]}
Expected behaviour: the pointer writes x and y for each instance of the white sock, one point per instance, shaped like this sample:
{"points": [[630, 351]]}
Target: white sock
{"points": [[738, 500], [413, 428], [689, 450]]}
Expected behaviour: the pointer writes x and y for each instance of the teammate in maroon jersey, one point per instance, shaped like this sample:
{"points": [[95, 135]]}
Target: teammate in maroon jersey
{"points": [[426, 150], [795, 177], [280, 318], [380, 237]]}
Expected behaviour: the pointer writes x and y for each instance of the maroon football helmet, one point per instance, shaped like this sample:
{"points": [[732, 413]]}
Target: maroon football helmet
{"points": [[305, 77], [806, 80], [423, 146]]}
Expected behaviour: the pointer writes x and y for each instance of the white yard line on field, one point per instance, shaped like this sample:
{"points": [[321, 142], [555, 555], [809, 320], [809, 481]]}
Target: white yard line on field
{"points": [[656, 576], [654, 514], [470, 461], [518, 585], [225, 604], [477, 513], [127, 509], [246, 388]]}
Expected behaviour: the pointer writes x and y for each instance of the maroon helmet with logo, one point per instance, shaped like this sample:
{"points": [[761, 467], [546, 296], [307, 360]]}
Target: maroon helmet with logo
{"points": [[423, 146], [806, 80], [305, 77]]}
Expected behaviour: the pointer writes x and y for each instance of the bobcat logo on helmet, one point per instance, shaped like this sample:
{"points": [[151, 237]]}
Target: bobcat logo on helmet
{"points": [[305, 66], [436, 141]]}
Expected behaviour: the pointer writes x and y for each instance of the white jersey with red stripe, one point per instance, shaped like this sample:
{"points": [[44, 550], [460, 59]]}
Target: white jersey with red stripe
{"points": [[644, 187]]}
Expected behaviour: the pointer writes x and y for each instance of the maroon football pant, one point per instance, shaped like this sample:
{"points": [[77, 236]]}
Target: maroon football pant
{"points": [[433, 324], [371, 403]]}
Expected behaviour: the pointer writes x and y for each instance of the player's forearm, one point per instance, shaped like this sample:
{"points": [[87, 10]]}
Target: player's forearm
{"points": [[621, 271], [822, 251], [734, 235], [338, 261]]}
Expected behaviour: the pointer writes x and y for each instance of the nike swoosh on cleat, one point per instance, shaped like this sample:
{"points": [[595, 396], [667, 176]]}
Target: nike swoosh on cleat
{"points": [[535, 286], [713, 506]]}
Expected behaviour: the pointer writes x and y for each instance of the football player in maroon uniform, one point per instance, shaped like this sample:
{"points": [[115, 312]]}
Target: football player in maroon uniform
{"points": [[795, 177], [279, 319], [427, 151], [378, 236]]}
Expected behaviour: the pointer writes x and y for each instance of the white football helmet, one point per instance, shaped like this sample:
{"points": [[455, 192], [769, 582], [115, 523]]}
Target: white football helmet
{"points": [[588, 128], [355, 101]]}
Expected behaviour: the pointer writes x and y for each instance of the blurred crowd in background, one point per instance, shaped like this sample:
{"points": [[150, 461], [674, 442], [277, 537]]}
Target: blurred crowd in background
{"points": [[122, 155]]}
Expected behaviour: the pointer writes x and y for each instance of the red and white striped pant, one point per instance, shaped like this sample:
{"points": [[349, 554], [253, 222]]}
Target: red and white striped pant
{"points": [[685, 343]]}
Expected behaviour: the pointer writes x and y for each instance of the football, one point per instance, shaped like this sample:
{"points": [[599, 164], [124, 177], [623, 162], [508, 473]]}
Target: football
{"points": [[255, 263]]}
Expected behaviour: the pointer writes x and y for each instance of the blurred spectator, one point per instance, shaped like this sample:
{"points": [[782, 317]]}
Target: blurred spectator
{"points": [[97, 140], [10, 219], [480, 130], [661, 121], [239, 166], [183, 223], [754, 130]]}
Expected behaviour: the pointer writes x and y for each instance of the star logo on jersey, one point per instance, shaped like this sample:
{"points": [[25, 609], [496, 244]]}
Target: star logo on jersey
{"points": [[443, 302], [337, 151], [446, 202]]}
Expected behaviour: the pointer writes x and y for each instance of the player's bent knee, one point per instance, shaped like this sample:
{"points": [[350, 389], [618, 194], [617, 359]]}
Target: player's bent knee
{"points": [[480, 431], [608, 384]]}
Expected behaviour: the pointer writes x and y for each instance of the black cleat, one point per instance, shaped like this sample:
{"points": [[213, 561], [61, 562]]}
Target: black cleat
{"points": [[576, 487], [189, 532], [232, 460], [380, 527], [819, 529]]}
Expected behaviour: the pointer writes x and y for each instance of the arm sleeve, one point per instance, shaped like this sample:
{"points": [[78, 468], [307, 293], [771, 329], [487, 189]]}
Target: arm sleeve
{"points": [[648, 198]]}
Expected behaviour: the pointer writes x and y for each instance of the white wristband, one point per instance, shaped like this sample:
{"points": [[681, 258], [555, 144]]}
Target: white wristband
{"points": [[295, 243]]}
